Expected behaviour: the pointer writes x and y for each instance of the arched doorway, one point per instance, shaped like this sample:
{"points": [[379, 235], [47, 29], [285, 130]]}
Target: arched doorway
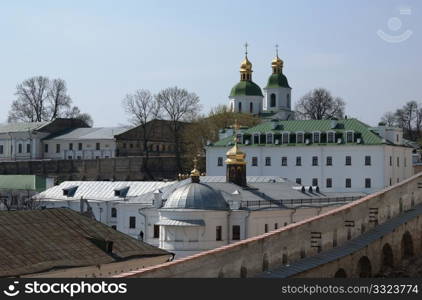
{"points": [[341, 273], [407, 245], [387, 256], [364, 267], [265, 263], [243, 272]]}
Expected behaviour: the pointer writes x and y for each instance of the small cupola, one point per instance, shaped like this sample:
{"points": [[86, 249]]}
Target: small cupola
{"points": [[236, 164], [194, 174]]}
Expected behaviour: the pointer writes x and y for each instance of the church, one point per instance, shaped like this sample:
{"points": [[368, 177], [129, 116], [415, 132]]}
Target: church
{"points": [[247, 97]]}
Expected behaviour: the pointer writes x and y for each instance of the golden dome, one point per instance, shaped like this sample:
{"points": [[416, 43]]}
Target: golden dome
{"points": [[235, 156], [195, 172], [277, 62], [246, 65]]}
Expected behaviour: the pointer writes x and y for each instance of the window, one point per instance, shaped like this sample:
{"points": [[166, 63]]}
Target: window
{"points": [[299, 181], [269, 138], [348, 182], [272, 100], [256, 139], [220, 161], [276, 226], [391, 181], [28, 148], [288, 100], [405, 163], [397, 138], [299, 138], [398, 161], [367, 160], [349, 137], [69, 157], [254, 161], [266, 228], [114, 212], [46, 148], [314, 181], [97, 146], [124, 146], [251, 107], [1, 149], [316, 137], [315, 160], [20, 148], [391, 161], [70, 146], [114, 227], [218, 233], [367, 183], [285, 138], [284, 161], [268, 161], [236, 232], [298, 160], [156, 231], [132, 222], [330, 137], [348, 160], [329, 182], [57, 148], [329, 160], [240, 106], [80, 146]]}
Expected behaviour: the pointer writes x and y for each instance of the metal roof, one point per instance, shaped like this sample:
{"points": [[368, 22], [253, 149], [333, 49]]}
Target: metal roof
{"points": [[21, 127], [22, 182], [36, 241], [348, 248], [183, 223], [97, 133]]}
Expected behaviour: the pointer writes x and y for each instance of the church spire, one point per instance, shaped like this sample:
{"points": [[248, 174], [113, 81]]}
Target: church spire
{"points": [[246, 67]]}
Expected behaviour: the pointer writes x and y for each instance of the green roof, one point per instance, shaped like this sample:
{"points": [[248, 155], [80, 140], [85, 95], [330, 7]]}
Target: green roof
{"points": [[246, 88], [277, 80], [308, 126], [21, 127], [22, 182]]}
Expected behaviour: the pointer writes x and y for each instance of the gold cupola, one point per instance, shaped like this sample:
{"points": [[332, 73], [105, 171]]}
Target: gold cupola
{"points": [[277, 63], [236, 164], [194, 174], [235, 156], [246, 67]]}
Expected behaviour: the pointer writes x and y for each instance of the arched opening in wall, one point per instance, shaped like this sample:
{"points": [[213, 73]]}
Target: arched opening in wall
{"points": [[272, 100], [284, 257], [265, 263], [240, 106], [387, 259], [302, 253], [243, 272], [362, 228], [335, 238], [412, 202], [407, 245], [251, 107], [401, 205], [341, 273], [364, 267]]}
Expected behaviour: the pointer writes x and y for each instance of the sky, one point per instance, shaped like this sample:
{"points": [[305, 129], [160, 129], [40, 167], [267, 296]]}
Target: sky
{"points": [[107, 49]]}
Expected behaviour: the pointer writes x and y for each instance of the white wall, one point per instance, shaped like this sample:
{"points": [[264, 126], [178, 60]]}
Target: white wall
{"points": [[378, 171], [11, 142], [281, 98], [107, 149], [246, 100]]}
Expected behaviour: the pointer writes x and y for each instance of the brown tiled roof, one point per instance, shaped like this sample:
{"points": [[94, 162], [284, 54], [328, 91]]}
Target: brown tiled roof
{"points": [[39, 240]]}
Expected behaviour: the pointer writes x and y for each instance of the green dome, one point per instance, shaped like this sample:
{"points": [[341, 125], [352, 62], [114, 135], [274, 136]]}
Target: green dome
{"points": [[246, 88], [277, 80]]}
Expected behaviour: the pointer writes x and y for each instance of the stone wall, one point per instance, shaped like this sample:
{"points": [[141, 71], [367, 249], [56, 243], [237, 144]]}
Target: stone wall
{"points": [[290, 243], [119, 168]]}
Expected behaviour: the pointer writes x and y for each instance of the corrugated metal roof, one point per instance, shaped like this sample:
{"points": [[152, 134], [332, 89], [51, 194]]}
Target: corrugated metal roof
{"points": [[39, 240], [21, 127], [184, 223], [103, 190], [22, 182], [348, 248], [98, 133]]}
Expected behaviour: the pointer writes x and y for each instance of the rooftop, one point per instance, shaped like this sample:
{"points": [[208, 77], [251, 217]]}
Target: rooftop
{"points": [[21, 127], [35, 241], [22, 182], [98, 133]]}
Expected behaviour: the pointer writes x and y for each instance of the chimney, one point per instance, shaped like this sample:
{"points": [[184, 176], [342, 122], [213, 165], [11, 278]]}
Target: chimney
{"points": [[158, 198]]}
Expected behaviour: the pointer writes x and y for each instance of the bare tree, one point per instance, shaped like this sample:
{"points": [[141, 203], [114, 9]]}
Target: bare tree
{"points": [[389, 119], [142, 107], [319, 104], [409, 118], [178, 106], [41, 99]]}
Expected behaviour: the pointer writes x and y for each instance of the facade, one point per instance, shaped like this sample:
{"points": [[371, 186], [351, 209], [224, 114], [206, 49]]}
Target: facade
{"points": [[23, 141], [335, 155], [63, 243], [247, 97], [82, 143]]}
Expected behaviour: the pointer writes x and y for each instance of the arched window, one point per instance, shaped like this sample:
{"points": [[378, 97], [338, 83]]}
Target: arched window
{"points": [[288, 100], [251, 107], [272, 100], [113, 212], [240, 106]]}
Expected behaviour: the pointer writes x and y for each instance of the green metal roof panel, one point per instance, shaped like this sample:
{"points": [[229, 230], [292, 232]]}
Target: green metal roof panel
{"points": [[277, 80], [246, 88], [308, 126], [22, 182]]}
